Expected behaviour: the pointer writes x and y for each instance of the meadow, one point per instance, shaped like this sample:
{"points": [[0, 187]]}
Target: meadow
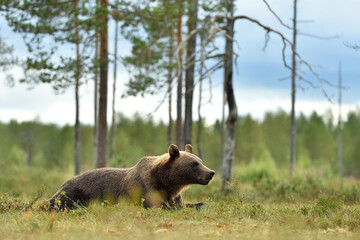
{"points": [[255, 206], [261, 202]]}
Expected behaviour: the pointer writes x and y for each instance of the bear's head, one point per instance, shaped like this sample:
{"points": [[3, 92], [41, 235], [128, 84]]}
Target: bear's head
{"points": [[186, 168]]}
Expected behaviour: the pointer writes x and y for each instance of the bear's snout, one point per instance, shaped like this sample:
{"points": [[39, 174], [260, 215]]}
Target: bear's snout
{"points": [[211, 175], [207, 177]]}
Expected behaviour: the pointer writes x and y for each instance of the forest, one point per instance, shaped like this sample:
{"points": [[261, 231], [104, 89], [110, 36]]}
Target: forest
{"points": [[285, 175], [259, 145]]}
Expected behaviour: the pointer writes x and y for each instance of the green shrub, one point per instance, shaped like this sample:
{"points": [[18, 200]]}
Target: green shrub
{"points": [[261, 167]]}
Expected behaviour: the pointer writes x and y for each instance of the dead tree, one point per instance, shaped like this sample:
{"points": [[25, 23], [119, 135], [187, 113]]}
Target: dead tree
{"points": [[228, 34], [226, 166], [293, 95], [294, 77]]}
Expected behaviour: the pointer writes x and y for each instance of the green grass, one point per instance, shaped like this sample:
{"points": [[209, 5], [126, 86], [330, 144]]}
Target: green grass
{"points": [[305, 207]]}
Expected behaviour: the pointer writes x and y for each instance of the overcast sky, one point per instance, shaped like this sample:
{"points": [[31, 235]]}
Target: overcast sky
{"points": [[256, 80]]}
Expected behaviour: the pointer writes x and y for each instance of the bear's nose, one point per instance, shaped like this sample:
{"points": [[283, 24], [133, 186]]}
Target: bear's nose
{"points": [[212, 173]]}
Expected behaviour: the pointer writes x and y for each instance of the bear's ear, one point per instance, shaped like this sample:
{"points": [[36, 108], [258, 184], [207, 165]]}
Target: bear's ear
{"points": [[173, 152], [188, 148]]}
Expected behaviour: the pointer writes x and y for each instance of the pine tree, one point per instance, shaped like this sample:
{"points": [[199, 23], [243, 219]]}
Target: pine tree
{"points": [[64, 23]]}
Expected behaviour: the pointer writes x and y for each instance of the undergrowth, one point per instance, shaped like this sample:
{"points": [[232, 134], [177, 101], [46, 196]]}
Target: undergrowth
{"points": [[8, 203], [304, 207]]}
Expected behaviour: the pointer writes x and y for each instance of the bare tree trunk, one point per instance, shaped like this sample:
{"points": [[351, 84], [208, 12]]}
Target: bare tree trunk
{"points": [[222, 126], [232, 117], [190, 69], [199, 132], [96, 97], [170, 126], [77, 79], [112, 144], [198, 139], [293, 96], [179, 128], [102, 134], [339, 127]]}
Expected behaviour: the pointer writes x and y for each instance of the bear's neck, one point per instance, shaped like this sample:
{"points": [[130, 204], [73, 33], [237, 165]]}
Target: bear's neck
{"points": [[165, 182]]}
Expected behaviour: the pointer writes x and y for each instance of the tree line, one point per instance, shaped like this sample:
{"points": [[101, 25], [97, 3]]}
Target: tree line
{"points": [[51, 146], [170, 39]]}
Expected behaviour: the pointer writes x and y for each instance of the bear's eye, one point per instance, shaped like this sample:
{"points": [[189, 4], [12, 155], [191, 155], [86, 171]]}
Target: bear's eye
{"points": [[195, 164]]}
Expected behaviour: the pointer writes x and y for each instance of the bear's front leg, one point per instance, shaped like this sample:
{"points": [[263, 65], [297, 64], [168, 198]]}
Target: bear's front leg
{"points": [[178, 203], [172, 203], [197, 206]]}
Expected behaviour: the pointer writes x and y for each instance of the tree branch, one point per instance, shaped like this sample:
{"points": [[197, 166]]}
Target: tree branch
{"points": [[277, 17], [285, 42], [319, 37]]}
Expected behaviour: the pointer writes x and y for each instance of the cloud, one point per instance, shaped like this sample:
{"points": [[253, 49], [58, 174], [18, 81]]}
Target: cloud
{"points": [[41, 102], [257, 89]]}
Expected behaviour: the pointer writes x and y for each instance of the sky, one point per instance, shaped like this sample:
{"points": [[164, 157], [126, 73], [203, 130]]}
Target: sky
{"points": [[258, 88]]}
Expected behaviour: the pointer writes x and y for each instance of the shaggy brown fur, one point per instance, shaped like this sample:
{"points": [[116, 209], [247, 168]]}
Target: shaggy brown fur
{"points": [[158, 180]]}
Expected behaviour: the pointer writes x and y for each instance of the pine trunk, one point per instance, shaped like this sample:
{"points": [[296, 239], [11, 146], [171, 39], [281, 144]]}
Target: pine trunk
{"points": [[77, 79], [170, 126], [189, 75], [232, 117], [102, 134], [96, 97]]}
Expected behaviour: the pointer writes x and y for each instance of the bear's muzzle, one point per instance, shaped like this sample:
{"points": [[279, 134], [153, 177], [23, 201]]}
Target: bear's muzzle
{"points": [[207, 179]]}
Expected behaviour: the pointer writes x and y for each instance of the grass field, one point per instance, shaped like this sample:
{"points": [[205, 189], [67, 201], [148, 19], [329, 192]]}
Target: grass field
{"points": [[306, 207]]}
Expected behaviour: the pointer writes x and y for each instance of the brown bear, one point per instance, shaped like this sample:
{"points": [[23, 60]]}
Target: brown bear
{"points": [[157, 181]]}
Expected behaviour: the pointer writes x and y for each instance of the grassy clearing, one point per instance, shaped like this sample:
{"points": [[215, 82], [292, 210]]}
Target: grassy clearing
{"points": [[261, 208], [217, 220]]}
